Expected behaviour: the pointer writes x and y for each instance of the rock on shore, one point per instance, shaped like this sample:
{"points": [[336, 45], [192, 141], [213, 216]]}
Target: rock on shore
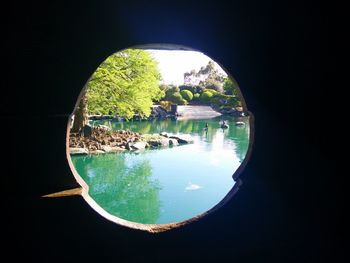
{"points": [[105, 141]]}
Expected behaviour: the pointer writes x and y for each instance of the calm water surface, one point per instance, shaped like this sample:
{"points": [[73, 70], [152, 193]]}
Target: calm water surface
{"points": [[171, 184]]}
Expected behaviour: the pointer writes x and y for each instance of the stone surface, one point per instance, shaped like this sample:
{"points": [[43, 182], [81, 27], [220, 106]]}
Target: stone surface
{"points": [[139, 145], [183, 139], [78, 151], [106, 148], [164, 142], [104, 127], [154, 143], [173, 142], [164, 134], [117, 149], [96, 152]]}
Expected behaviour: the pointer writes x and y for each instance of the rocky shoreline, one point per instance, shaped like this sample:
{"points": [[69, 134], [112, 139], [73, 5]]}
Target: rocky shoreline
{"points": [[103, 140]]}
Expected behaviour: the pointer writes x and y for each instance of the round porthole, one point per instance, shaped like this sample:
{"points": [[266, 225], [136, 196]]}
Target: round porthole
{"points": [[158, 137]]}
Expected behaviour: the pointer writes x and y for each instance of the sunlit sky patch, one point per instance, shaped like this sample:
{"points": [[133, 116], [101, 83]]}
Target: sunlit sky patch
{"points": [[174, 63]]}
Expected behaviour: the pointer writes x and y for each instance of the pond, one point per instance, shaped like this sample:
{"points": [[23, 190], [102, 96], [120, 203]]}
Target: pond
{"points": [[168, 185]]}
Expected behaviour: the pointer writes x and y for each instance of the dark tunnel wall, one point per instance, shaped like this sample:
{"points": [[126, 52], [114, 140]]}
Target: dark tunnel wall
{"points": [[276, 52]]}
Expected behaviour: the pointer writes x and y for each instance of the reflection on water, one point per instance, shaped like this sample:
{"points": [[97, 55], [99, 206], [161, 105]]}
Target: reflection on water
{"points": [[122, 185], [171, 184]]}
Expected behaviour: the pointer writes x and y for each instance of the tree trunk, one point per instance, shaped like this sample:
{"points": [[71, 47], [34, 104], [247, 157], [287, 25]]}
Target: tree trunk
{"points": [[80, 115]]}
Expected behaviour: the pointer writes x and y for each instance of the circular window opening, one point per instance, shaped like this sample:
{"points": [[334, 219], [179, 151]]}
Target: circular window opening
{"points": [[158, 136]]}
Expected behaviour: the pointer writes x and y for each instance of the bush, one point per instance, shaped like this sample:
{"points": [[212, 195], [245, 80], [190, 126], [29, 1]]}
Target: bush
{"points": [[170, 91], [172, 88], [206, 96], [186, 94], [214, 85], [183, 102], [166, 105], [235, 101], [212, 91], [192, 88], [177, 98], [196, 96], [225, 100], [199, 89], [230, 86]]}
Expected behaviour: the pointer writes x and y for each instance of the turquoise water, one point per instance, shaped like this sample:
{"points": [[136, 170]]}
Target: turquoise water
{"points": [[171, 184]]}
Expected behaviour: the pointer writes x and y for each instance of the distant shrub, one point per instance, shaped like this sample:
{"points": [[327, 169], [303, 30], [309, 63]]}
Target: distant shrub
{"points": [[177, 98], [173, 88], [163, 87], [225, 100], [183, 102], [206, 96], [186, 94], [192, 88], [212, 91], [170, 91], [199, 89], [235, 101], [196, 96], [166, 105], [214, 85]]}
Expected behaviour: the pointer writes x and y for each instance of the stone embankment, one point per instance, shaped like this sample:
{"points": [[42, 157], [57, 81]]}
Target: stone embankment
{"points": [[102, 140]]}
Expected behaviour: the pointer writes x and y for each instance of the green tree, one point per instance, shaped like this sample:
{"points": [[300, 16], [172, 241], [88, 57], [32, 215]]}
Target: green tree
{"points": [[230, 86], [125, 84], [208, 76]]}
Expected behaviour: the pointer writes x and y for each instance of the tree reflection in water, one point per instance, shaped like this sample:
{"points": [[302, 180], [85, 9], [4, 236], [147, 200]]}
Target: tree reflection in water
{"points": [[122, 185]]}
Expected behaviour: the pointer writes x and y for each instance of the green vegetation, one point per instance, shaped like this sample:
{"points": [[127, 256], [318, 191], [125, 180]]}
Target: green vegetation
{"points": [[177, 98], [192, 88], [196, 96], [206, 96], [224, 101], [206, 86], [186, 94], [230, 86], [166, 105], [212, 91], [125, 84], [208, 77]]}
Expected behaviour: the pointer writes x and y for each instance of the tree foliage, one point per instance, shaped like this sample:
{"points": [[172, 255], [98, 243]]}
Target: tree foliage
{"points": [[125, 84], [230, 86], [206, 96], [177, 98], [208, 76], [196, 96]]}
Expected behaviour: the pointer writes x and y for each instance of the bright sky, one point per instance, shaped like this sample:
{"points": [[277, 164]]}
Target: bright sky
{"points": [[174, 63]]}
